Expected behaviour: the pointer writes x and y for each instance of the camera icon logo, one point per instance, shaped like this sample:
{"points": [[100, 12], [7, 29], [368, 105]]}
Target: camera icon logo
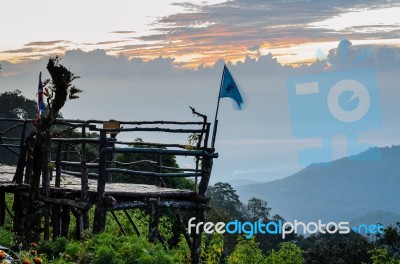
{"points": [[333, 103], [359, 91]]}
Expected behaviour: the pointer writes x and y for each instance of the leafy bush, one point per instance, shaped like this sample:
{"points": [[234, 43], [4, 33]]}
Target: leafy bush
{"points": [[53, 249], [246, 252], [106, 255], [73, 250], [6, 237], [289, 253]]}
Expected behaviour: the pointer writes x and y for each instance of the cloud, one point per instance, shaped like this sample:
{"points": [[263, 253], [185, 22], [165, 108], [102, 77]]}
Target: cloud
{"points": [[23, 50], [45, 43], [109, 42], [233, 30], [123, 32], [220, 30], [156, 89]]}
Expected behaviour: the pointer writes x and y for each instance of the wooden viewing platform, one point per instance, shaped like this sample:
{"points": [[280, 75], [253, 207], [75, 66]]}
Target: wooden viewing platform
{"points": [[73, 184]]}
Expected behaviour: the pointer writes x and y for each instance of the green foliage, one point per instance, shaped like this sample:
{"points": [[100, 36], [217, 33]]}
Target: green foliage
{"points": [[182, 250], [14, 105], [132, 249], [391, 239], [6, 237], [106, 255], [60, 88], [166, 229], [53, 249], [257, 209], [224, 196], [140, 218], [73, 249], [213, 253], [381, 256], [338, 249], [246, 252], [289, 253]]}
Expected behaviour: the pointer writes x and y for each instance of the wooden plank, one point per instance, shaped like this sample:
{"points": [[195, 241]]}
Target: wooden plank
{"points": [[79, 174], [79, 164], [167, 204], [153, 174], [150, 129], [77, 140], [62, 201], [175, 152]]}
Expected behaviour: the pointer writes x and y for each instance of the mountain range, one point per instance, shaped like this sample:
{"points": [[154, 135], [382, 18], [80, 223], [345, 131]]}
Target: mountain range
{"points": [[359, 188]]}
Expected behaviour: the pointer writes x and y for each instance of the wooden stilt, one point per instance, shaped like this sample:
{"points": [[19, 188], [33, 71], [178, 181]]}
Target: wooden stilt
{"points": [[65, 221], [196, 240], [99, 221], [132, 223], [154, 219], [118, 222], [84, 180], [55, 220]]}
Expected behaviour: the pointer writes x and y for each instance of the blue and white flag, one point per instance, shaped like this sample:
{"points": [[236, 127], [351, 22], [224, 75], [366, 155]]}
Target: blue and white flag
{"points": [[40, 109], [230, 89]]}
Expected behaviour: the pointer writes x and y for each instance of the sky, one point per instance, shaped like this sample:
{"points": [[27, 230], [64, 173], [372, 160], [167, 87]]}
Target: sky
{"points": [[154, 59]]}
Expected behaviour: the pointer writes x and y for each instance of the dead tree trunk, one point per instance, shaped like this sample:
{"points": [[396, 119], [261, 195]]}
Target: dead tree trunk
{"points": [[60, 90]]}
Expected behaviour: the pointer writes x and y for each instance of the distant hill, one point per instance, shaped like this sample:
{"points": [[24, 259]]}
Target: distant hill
{"points": [[342, 190], [238, 182], [383, 217]]}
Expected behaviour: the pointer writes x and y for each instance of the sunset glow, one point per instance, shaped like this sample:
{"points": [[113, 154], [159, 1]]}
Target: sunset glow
{"points": [[192, 34]]}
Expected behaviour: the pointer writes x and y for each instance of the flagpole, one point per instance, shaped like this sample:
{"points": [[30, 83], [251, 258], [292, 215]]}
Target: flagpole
{"points": [[216, 112]]}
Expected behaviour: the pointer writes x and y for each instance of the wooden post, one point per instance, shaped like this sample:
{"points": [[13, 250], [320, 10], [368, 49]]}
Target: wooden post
{"points": [[84, 181], [56, 208], [29, 162], [200, 215], [205, 179], [19, 173], [58, 164], [66, 155], [112, 124], [158, 169], [79, 224], [19, 178], [65, 221], [19, 206], [55, 220], [196, 240], [154, 219], [46, 186], [99, 221]]}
